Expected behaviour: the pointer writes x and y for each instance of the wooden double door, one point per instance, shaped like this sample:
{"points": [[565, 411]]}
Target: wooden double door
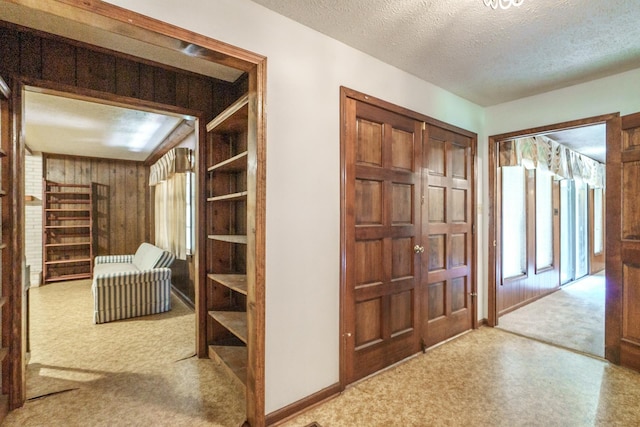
{"points": [[407, 234]]}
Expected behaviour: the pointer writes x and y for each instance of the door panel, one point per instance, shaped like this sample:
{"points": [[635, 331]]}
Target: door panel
{"points": [[382, 225], [622, 337], [445, 290]]}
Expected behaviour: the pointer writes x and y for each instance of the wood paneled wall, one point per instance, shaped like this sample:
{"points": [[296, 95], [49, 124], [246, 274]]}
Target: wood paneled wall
{"points": [[122, 206], [45, 57], [534, 284]]}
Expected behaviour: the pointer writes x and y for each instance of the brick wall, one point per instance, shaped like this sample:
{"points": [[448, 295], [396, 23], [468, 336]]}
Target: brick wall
{"points": [[33, 216]]}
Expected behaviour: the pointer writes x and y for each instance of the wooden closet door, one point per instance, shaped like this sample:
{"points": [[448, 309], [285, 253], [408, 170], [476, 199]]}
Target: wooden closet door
{"points": [[382, 154], [622, 254], [446, 289]]}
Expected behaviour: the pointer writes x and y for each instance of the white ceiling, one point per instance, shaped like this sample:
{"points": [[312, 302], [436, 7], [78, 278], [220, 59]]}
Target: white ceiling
{"points": [[54, 124], [486, 56]]}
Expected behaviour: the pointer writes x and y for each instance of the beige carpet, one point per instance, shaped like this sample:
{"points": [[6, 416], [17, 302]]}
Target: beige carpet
{"points": [[572, 317], [487, 378], [132, 372]]}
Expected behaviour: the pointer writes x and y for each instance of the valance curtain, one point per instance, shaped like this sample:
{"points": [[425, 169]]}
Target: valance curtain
{"points": [[169, 176], [540, 152]]}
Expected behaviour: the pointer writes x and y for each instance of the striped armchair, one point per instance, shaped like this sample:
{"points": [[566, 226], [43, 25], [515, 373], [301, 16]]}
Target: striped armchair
{"points": [[126, 286]]}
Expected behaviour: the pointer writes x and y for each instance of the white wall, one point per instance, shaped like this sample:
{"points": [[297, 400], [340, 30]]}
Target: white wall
{"points": [[305, 71], [33, 216]]}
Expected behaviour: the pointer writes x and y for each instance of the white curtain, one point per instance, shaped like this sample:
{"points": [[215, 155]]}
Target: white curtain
{"points": [[170, 201]]}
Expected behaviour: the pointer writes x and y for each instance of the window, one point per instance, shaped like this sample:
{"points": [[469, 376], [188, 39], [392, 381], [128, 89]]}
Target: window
{"points": [[544, 219], [598, 222], [514, 222], [190, 213]]}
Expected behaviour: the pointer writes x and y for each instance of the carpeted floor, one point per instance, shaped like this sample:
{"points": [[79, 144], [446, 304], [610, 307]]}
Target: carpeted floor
{"points": [[131, 372], [572, 317], [488, 377]]}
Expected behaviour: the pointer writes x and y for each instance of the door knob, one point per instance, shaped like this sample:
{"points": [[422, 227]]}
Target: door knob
{"points": [[418, 249]]}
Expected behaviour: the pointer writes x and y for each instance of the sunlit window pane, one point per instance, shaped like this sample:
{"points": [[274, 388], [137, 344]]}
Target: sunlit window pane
{"points": [[598, 222], [514, 222], [544, 220]]}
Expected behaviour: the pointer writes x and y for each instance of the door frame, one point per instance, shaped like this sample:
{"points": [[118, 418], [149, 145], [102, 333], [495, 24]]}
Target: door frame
{"points": [[493, 243], [118, 20], [344, 244]]}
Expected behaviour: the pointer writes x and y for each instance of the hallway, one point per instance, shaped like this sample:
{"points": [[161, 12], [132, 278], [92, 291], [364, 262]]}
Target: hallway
{"points": [[572, 317]]}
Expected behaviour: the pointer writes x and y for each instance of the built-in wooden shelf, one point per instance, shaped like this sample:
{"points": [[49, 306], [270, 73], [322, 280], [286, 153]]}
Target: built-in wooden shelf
{"points": [[234, 321], [233, 164], [237, 282], [65, 227], [233, 119], [233, 358], [229, 238], [68, 277], [228, 197], [64, 245], [68, 261]]}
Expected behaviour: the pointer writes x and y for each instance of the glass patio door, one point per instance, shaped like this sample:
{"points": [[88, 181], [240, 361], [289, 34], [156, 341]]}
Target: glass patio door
{"points": [[574, 231]]}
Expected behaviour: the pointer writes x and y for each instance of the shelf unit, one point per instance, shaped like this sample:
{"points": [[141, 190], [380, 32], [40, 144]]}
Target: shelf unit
{"points": [[226, 251], [67, 250], [8, 265]]}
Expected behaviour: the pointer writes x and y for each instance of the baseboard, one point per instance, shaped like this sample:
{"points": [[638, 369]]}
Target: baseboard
{"points": [[289, 411], [483, 322]]}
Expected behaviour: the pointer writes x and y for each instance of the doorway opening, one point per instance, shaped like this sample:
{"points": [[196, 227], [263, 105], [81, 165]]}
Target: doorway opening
{"points": [[548, 265], [180, 80]]}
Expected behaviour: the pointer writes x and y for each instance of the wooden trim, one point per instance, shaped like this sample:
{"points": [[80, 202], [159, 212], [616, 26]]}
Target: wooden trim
{"points": [[118, 20], [184, 129], [110, 18], [285, 414], [359, 96], [493, 140], [613, 247], [343, 241], [554, 127], [90, 95]]}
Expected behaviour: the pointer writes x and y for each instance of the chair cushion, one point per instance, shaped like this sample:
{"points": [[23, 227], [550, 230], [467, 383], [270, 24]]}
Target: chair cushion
{"points": [[147, 256]]}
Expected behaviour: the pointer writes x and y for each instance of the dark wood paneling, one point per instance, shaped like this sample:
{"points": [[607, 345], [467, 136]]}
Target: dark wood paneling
{"points": [[96, 70], [121, 211], [38, 56], [9, 52], [514, 293], [127, 78], [58, 62], [30, 55]]}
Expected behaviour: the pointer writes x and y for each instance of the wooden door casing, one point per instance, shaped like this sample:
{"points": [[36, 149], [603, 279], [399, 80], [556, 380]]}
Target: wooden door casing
{"points": [[622, 330], [383, 153], [447, 231]]}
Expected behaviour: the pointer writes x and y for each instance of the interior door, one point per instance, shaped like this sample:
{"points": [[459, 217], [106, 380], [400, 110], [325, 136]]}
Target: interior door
{"points": [[447, 295], [622, 253], [381, 155]]}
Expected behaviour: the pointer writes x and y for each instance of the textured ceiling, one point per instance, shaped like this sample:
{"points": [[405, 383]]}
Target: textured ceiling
{"points": [[54, 124], [486, 56]]}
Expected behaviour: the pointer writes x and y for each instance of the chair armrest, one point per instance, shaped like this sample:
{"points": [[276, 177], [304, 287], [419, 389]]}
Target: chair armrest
{"points": [[129, 277], [104, 259]]}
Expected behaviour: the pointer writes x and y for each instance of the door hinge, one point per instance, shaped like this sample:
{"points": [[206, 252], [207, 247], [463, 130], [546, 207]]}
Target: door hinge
{"points": [[422, 200], [473, 294], [473, 228], [423, 345]]}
